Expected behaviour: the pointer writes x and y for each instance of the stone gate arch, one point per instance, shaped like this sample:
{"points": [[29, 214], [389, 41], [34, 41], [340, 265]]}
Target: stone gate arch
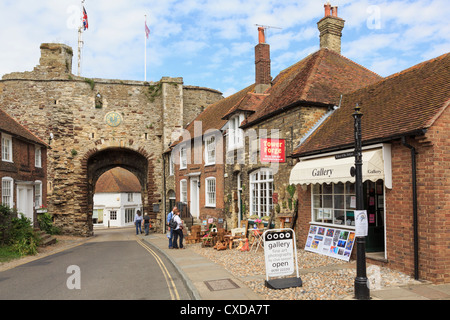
{"points": [[97, 162]]}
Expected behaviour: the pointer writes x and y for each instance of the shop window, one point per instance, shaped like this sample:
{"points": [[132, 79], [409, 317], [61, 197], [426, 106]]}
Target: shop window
{"points": [[261, 190], [129, 215], [336, 203]]}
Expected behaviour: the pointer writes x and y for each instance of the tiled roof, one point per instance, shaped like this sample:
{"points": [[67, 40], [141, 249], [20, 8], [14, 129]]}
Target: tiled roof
{"points": [[322, 77], [117, 180], [12, 127], [402, 104], [211, 117]]}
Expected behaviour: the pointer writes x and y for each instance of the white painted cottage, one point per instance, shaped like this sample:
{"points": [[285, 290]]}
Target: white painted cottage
{"points": [[117, 198]]}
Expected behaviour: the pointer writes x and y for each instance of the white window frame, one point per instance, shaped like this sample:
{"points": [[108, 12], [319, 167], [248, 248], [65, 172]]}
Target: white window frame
{"points": [[7, 192], [7, 148], [183, 157], [261, 191], [235, 133], [129, 215], [38, 194], [38, 157], [210, 192], [171, 165], [183, 191], [130, 197], [210, 150]]}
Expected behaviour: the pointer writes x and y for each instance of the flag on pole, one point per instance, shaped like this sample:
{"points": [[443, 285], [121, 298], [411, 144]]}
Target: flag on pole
{"points": [[85, 19], [147, 30]]}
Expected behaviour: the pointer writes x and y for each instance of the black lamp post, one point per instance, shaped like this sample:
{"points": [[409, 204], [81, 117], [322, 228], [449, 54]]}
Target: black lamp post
{"points": [[361, 284]]}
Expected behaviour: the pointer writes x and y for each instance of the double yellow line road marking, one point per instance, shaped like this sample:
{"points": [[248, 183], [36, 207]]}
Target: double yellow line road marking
{"points": [[169, 280]]}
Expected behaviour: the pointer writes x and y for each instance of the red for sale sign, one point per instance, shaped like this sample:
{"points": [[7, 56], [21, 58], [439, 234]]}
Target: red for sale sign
{"points": [[272, 150]]}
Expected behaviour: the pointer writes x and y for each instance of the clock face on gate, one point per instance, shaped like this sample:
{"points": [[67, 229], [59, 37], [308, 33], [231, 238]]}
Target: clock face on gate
{"points": [[113, 119]]}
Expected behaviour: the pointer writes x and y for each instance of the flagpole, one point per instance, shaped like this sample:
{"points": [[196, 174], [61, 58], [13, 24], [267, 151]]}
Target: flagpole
{"points": [[80, 38], [145, 51]]}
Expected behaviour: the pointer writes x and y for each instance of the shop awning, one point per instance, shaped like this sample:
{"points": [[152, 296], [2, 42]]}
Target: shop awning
{"points": [[336, 168]]}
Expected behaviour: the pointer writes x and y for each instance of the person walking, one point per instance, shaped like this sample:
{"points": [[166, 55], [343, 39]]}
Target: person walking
{"points": [[146, 223], [138, 221], [178, 232], [170, 234]]}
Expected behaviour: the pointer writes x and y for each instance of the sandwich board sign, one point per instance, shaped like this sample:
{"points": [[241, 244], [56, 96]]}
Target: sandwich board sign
{"points": [[280, 252]]}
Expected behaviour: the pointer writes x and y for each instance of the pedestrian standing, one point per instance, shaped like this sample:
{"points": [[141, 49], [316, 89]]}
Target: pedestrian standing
{"points": [[146, 223], [170, 234], [178, 232], [138, 221]]}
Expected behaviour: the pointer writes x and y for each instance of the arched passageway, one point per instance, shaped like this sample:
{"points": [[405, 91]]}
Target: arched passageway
{"points": [[138, 163]]}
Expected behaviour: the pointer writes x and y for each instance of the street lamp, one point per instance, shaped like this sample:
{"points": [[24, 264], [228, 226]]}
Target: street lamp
{"points": [[361, 284]]}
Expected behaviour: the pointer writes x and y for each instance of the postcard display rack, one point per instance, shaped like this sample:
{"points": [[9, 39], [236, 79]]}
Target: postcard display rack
{"points": [[332, 242]]}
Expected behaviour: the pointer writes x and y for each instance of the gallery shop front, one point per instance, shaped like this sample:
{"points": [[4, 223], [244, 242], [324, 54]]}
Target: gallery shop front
{"points": [[327, 199]]}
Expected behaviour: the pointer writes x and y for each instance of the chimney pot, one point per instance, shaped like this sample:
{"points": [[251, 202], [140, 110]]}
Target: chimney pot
{"points": [[334, 11], [261, 36], [327, 9]]}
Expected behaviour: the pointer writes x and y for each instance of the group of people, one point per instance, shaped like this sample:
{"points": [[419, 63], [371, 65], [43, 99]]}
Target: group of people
{"points": [[138, 222], [175, 233]]}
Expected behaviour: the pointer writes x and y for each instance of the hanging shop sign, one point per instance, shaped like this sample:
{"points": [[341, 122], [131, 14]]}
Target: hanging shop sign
{"points": [[280, 251], [332, 242], [272, 150]]}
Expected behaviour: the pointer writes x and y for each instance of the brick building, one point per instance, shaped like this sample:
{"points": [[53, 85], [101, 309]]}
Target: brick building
{"points": [[406, 174], [275, 111], [23, 168]]}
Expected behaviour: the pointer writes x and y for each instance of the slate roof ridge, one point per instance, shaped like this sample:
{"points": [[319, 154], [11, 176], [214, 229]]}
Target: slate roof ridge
{"points": [[405, 103]]}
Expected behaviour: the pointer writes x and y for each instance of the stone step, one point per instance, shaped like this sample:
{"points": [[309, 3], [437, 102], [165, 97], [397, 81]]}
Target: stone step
{"points": [[45, 238]]}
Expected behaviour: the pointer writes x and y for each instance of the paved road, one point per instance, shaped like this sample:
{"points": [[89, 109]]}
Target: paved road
{"points": [[115, 264]]}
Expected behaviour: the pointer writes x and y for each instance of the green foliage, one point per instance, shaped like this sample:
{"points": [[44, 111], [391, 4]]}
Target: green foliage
{"points": [[17, 234], [90, 82], [291, 189], [46, 224]]}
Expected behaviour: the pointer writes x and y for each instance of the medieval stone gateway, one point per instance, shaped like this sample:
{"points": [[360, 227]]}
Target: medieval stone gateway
{"points": [[93, 125]]}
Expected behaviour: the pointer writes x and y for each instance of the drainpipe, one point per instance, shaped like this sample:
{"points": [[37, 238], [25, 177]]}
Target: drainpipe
{"points": [[415, 218]]}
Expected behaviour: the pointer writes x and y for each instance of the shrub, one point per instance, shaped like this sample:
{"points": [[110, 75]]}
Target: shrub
{"points": [[23, 238], [46, 224]]}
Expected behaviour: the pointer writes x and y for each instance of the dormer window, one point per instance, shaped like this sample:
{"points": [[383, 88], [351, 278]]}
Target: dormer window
{"points": [[235, 134]]}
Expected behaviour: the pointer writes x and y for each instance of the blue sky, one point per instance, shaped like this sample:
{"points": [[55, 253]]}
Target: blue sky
{"points": [[210, 43]]}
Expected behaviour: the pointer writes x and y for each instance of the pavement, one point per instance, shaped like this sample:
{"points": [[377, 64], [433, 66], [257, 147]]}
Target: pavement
{"points": [[210, 281]]}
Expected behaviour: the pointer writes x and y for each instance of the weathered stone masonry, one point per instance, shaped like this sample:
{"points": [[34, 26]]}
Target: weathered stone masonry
{"points": [[51, 102]]}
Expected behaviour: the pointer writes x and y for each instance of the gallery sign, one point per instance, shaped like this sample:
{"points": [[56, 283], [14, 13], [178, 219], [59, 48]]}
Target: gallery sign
{"points": [[280, 251], [272, 150], [332, 242]]}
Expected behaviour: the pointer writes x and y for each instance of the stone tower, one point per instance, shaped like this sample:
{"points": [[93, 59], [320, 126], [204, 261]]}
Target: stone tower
{"points": [[93, 125], [330, 28]]}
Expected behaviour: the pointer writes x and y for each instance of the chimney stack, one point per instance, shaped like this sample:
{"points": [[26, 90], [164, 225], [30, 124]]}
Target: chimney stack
{"points": [[330, 28], [262, 63]]}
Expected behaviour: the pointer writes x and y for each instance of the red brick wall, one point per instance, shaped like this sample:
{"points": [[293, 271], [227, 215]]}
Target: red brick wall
{"points": [[23, 166]]}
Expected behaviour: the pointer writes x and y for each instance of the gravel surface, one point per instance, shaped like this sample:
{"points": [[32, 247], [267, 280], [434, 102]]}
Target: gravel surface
{"points": [[324, 278]]}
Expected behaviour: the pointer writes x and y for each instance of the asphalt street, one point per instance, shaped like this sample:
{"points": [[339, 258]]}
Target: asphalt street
{"points": [[115, 264]]}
